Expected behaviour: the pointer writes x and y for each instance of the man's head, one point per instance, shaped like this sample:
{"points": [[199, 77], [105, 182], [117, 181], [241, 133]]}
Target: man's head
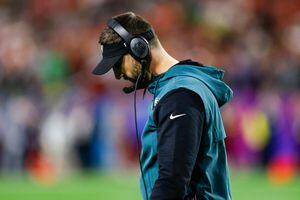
{"points": [[116, 55]]}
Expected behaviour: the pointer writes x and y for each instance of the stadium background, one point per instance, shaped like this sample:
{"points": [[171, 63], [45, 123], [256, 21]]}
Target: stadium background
{"points": [[66, 134]]}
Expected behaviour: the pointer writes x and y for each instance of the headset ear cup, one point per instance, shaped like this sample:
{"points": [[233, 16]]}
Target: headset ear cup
{"points": [[139, 47]]}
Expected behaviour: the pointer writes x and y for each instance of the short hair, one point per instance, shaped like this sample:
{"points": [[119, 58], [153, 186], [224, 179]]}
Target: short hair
{"points": [[133, 23]]}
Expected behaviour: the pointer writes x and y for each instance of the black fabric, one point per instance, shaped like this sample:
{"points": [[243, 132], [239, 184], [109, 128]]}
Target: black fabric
{"points": [[189, 62], [179, 116], [115, 49], [105, 65], [111, 54]]}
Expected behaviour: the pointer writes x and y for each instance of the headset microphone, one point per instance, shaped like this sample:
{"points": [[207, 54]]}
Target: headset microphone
{"points": [[128, 90]]}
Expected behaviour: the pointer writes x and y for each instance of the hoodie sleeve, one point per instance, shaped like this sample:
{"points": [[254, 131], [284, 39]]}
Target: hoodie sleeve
{"points": [[179, 116]]}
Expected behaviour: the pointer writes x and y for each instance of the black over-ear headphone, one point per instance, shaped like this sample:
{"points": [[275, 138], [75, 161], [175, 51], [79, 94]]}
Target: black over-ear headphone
{"points": [[137, 45]]}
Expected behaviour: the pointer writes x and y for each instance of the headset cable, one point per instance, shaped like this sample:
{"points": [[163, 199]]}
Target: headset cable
{"points": [[136, 125]]}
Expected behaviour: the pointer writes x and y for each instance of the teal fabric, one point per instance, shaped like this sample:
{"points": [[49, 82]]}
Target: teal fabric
{"points": [[207, 82]]}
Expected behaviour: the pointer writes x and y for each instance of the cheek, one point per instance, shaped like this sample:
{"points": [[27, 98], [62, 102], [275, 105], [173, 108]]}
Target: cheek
{"points": [[132, 70], [136, 68], [128, 70]]}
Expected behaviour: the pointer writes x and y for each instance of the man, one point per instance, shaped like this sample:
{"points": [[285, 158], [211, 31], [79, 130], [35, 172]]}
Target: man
{"points": [[183, 151]]}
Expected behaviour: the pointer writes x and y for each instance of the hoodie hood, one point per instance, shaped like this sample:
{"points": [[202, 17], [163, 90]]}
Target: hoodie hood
{"points": [[212, 77]]}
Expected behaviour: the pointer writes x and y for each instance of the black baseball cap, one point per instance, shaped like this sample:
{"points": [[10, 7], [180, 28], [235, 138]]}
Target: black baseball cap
{"points": [[111, 54]]}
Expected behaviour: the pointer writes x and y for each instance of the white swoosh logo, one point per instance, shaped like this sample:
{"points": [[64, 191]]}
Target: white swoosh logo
{"points": [[175, 116]]}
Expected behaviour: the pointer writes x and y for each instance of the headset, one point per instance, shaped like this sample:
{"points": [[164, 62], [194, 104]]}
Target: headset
{"points": [[138, 47]]}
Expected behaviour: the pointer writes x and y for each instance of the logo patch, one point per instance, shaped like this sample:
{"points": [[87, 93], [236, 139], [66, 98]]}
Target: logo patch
{"points": [[175, 116], [156, 100]]}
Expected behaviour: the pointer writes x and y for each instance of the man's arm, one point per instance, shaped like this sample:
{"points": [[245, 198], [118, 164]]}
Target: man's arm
{"points": [[179, 116]]}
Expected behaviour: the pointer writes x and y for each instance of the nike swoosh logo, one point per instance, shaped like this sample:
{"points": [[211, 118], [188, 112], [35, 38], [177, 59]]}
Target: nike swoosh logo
{"points": [[175, 116]]}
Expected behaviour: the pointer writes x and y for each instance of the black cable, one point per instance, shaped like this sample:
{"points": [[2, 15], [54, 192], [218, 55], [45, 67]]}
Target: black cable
{"points": [[136, 126]]}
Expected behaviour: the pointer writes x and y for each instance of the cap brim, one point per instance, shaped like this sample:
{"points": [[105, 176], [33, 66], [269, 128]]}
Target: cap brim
{"points": [[105, 65]]}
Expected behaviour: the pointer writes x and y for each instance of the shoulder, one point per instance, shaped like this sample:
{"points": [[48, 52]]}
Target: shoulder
{"points": [[176, 101], [180, 95], [180, 99]]}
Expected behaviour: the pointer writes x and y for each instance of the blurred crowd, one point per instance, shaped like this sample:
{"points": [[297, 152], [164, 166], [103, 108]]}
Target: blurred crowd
{"points": [[55, 116]]}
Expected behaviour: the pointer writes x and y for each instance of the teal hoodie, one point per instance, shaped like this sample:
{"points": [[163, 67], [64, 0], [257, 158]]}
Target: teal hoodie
{"points": [[207, 82]]}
